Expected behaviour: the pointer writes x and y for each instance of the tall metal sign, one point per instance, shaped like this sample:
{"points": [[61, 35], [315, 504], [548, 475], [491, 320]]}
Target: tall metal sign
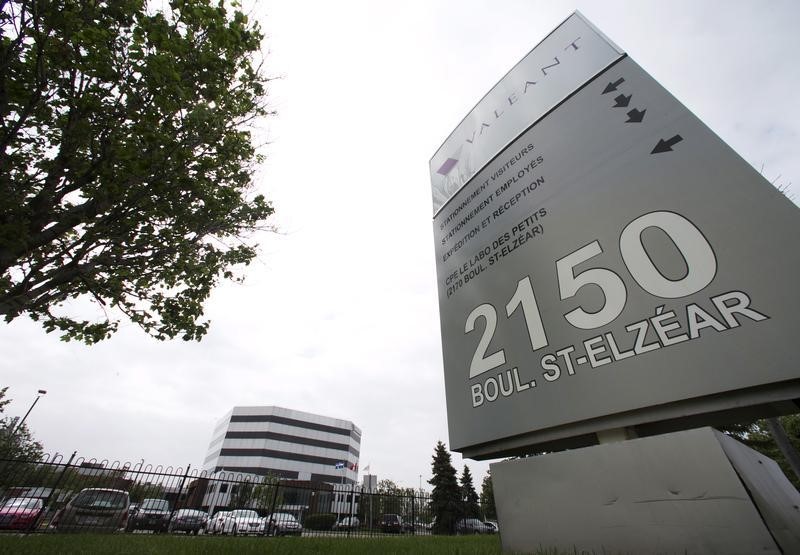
{"points": [[605, 260]]}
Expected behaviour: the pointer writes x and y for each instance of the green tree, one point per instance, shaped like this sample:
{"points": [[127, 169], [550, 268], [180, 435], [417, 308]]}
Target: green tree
{"points": [[777, 438], [139, 491], [241, 495], [16, 443], [266, 495], [386, 499], [404, 503], [445, 503], [387, 487], [71, 479], [487, 497], [469, 496], [126, 161]]}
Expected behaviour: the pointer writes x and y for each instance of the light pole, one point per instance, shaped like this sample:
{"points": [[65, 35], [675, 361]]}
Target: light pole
{"points": [[19, 423]]}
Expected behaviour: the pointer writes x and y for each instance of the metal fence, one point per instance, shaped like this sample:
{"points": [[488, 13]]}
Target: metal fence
{"points": [[54, 495]]}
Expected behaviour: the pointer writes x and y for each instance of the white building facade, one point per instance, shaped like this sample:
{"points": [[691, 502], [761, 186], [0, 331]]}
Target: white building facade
{"points": [[285, 443]]}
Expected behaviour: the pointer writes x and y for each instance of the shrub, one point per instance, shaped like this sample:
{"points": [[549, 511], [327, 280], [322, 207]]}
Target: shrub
{"points": [[320, 521]]}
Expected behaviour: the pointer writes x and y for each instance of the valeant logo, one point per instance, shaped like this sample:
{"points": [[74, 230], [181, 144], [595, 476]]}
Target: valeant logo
{"points": [[448, 165], [508, 103]]}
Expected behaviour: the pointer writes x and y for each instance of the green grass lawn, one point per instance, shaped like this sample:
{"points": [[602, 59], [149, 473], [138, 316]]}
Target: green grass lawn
{"points": [[142, 544]]}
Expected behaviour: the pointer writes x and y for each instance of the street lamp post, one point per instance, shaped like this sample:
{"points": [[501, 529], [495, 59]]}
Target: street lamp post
{"points": [[19, 423]]}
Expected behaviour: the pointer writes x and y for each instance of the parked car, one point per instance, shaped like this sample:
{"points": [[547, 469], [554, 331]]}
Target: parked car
{"points": [[426, 526], [414, 526], [152, 514], [241, 522], [471, 526], [391, 524], [215, 524], [347, 523], [283, 524], [20, 513], [94, 510], [188, 520], [492, 525]]}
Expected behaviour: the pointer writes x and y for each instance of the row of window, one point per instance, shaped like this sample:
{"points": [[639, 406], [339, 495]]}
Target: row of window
{"points": [[233, 489]]}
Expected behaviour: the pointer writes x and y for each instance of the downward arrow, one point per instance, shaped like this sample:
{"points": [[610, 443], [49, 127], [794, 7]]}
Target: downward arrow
{"points": [[635, 116], [622, 101], [666, 146], [613, 86]]}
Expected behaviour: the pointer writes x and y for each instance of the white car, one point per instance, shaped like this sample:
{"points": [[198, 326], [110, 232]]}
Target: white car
{"points": [[215, 523], [347, 523], [242, 522], [472, 526]]}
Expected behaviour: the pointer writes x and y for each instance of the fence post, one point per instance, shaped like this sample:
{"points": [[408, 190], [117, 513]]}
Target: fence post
{"points": [[272, 507], [180, 491], [352, 499], [413, 514], [183, 481], [53, 490]]}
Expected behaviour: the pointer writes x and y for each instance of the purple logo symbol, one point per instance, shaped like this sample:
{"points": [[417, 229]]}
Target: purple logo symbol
{"points": [[448, 165]]}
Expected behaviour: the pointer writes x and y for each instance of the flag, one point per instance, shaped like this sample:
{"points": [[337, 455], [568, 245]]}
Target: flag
{"points": [[353, 466], [366, 469], [339, 465]]}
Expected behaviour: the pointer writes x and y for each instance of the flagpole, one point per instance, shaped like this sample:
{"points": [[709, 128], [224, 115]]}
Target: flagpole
{"points": [[341, 488], [369, 490]]}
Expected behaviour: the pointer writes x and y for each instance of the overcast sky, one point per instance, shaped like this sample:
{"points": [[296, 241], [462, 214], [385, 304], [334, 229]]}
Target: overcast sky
{"points": [[339, 315]]}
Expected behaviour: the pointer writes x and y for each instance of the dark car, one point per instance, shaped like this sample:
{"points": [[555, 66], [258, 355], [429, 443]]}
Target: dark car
{"points": [[415, 526], [391, 524], [471, 526], [20, 513], [282, 524], [152, 514], [188, 520], [93, 510]]}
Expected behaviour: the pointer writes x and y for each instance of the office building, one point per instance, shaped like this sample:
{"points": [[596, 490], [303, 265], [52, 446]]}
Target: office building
{"points": [[286, 443]]}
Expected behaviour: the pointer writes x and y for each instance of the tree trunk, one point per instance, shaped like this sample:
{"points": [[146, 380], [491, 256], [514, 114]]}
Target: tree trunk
{"points": [[784, 444]]}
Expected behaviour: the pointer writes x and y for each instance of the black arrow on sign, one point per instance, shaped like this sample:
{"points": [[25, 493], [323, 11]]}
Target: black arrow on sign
{"points": [[666, 146], [622, 101], [613, 86], [635, 116]]}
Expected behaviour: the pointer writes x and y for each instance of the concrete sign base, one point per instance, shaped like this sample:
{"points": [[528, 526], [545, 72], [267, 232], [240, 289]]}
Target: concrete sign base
{"points": [[696, 491]]}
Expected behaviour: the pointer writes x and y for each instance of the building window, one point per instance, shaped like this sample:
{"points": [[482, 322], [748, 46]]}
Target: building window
{"points": [[223, 488]]}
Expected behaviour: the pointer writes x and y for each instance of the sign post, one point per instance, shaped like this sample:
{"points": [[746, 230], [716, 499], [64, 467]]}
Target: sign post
{"points": [[606, 265], [614, 265]]}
